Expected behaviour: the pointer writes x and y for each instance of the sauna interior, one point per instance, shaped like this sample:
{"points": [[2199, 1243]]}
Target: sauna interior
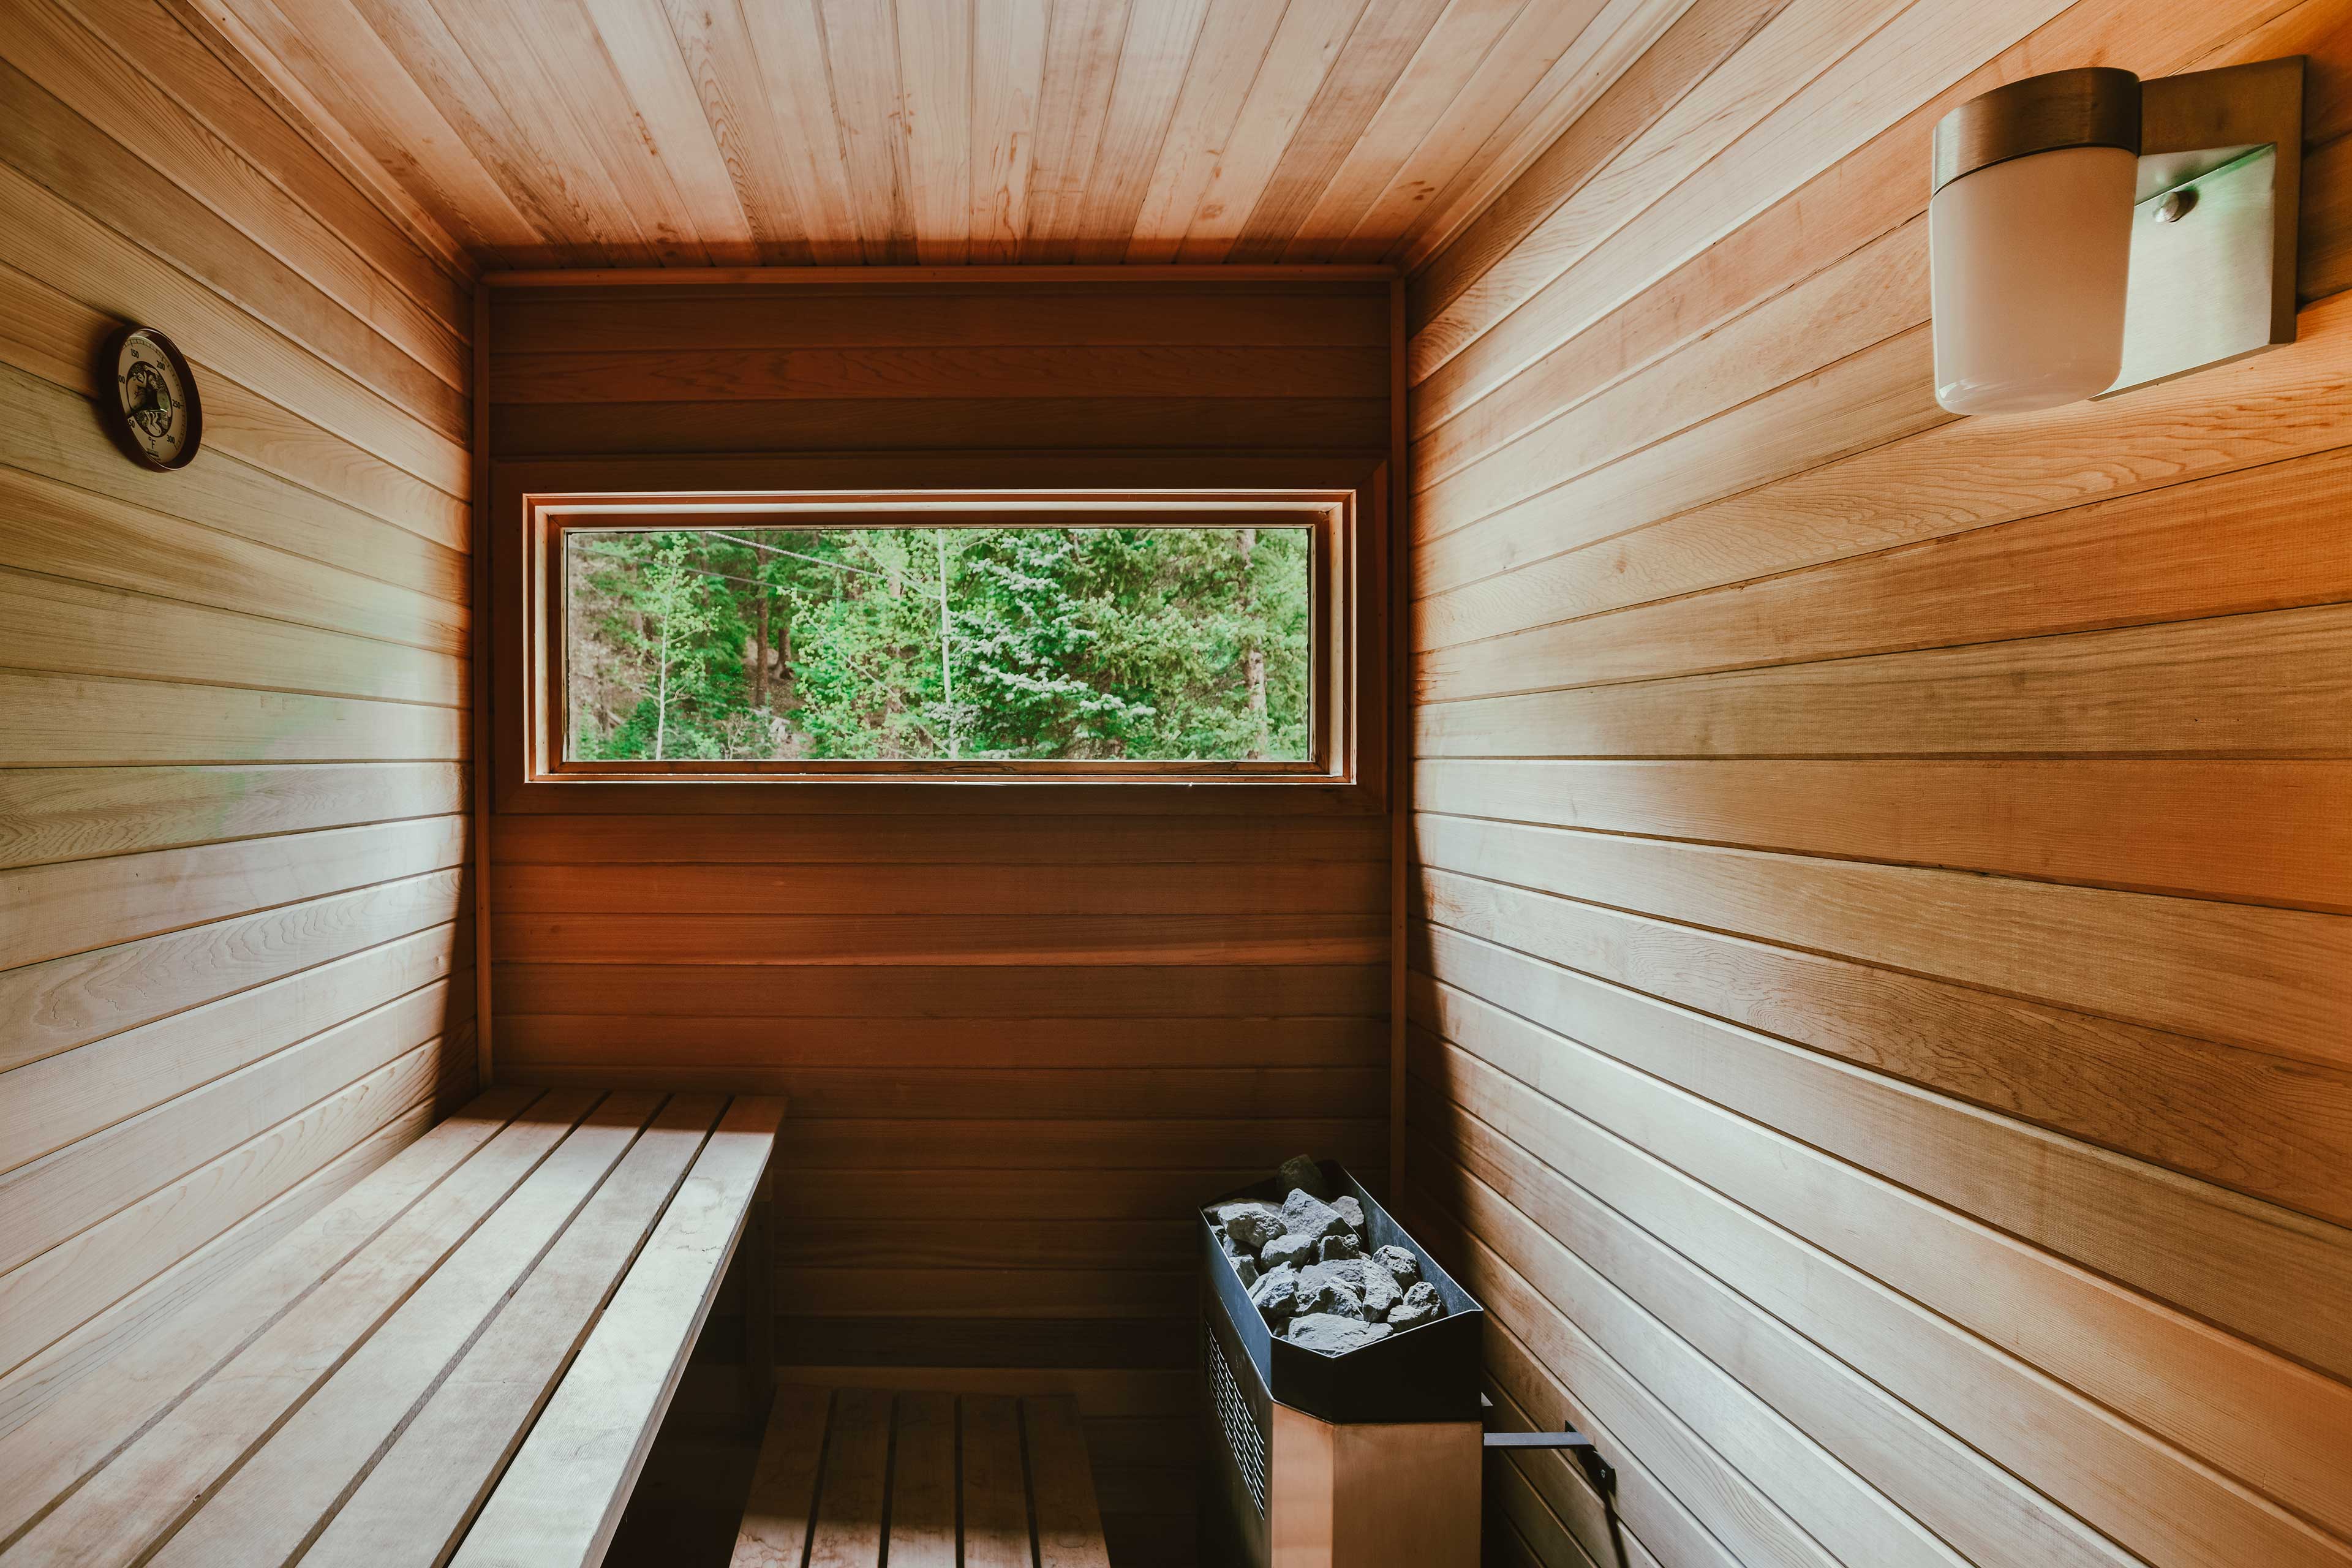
{"points": [[707, 705]]}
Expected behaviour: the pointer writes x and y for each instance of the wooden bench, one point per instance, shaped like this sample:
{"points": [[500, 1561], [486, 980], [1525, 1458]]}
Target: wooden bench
{"points": [[463, 1359], [933, 1480]]}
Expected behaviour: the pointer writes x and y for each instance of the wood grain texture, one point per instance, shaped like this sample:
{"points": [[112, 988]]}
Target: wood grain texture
{"points": [[234, 774], [562, 1494], [945, 1478], [123, 1380], [387, 1375], [290, 1482], [1917, 1223], [947, 132], [428, 1479]]}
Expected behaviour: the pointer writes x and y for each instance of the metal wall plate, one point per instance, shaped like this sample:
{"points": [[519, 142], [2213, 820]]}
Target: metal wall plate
{"points": [[2200, 286], [2218, 283]]}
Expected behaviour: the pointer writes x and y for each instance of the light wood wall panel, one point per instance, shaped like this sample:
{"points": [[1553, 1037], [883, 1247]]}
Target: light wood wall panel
{"points": [[235, 969], [1023, 1028], [1879, 902]]}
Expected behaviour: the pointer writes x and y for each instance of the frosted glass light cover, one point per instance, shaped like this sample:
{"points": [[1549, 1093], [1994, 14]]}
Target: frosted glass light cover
{"points": [[2028, 260]]}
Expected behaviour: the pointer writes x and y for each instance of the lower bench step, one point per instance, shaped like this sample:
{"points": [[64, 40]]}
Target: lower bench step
{"points": [[935, 1480]]}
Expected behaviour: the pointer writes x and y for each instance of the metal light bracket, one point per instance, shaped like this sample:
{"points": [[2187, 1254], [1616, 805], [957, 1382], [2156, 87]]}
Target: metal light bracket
{"points": [[2215, 226]]}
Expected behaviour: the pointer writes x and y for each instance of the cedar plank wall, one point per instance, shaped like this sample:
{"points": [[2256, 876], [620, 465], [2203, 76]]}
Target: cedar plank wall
{"points": [[1023, 1029], [1881, 972], [234, 975]]}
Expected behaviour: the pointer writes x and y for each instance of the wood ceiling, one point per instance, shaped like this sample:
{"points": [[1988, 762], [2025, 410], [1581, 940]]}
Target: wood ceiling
{"points": [[531, 133]]}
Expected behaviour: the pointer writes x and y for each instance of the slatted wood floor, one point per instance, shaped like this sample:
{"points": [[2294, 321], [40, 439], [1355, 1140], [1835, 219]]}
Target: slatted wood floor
{"points": [[468, 1353], [929, 1479]]}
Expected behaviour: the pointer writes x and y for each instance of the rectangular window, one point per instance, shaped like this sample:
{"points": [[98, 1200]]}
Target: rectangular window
{"points": [[1121, 637]]}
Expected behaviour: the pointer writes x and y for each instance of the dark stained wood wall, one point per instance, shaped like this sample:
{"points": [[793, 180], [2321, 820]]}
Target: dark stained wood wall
{"points": [[1881, 963], [1023, 1028], [235, 968]]}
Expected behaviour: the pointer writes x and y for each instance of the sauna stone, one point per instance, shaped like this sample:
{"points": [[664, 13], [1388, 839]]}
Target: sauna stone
{"points": [[1334, 1335], [1276, 1293], [1422, 1304], [1301, 1173], [1327, 1297], [1287, 1250], [1342, 1244]]}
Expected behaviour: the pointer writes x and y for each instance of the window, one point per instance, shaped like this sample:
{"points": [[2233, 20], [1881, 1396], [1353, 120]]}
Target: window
{"points": [[1101, 638]]}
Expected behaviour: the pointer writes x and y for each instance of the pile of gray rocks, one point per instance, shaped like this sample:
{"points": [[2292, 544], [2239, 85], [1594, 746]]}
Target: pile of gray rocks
{"points": [[1305, 1264]]}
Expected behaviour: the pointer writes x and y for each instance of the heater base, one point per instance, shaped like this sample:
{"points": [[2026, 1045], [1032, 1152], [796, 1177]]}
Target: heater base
{"points": [[1370, 1495]]}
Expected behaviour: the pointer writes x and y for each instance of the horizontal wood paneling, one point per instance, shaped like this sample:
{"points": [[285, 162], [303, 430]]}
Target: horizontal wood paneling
{"points": [[916, 424], [1020, 316], [990, 831], [59, 1098], [1880, 899], [232, 842], [949, 940], [1013, 371], [1177, 888], [2110, 824], [903, 1053], [2272, 979], [69, 814], [984, 1005], [57, 911]]}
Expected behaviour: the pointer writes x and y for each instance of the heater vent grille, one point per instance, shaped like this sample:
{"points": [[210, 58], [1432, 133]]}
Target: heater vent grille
{"points": [[1243, 1438]]}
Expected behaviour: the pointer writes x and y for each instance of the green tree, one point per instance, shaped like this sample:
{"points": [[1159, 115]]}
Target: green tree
{"points": [[1034, 642]]}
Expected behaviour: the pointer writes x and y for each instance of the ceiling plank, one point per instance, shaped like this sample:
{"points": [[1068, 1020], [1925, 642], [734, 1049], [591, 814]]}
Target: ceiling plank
{"points": [[1007, 78], [575, 208], [353, 80], [935, 65], [1604, 50], [1307, 45], [1383, 44], [706, 168], [554, 47], [1154, 61], [542, 134], [1432, 83], [800, 135], [1082, 50], [1233, 46], [861, 49]]}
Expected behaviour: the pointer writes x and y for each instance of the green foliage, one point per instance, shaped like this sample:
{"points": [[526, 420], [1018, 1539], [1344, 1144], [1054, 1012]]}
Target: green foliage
{"points": [[1144, 644]]}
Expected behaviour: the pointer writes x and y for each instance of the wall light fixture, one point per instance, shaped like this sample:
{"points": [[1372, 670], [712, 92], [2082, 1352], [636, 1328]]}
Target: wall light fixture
{"points": [[2090, 232]]}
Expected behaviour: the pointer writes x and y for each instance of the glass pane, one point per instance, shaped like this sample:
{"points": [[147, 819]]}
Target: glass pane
{"points": [[939, 644]]}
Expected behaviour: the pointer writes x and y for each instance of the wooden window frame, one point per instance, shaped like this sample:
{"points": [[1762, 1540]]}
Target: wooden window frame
{"points": [[1337, 598]]}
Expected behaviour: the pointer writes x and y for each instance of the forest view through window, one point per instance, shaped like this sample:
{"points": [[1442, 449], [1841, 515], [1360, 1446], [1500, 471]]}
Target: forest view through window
{"points": [[963, 644]]}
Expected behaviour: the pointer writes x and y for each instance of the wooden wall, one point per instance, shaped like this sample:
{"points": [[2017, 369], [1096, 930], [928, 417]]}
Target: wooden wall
{"points": [[1881, 965], [1024, 1028], [234, 972]]}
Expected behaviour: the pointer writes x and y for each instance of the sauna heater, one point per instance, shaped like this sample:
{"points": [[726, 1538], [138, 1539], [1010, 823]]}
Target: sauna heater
{"points": [[1360, 1461]]}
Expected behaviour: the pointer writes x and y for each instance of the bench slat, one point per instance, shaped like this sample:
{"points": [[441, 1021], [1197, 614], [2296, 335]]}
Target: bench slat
{"points": [[775, 1531], [856, 1481], [1062, 1485], [923, 1481], [66, 1438], [421, 1495], [148, 1489], [995, 1489], [265, 1512], [934, 1478], [560, 1501]]}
